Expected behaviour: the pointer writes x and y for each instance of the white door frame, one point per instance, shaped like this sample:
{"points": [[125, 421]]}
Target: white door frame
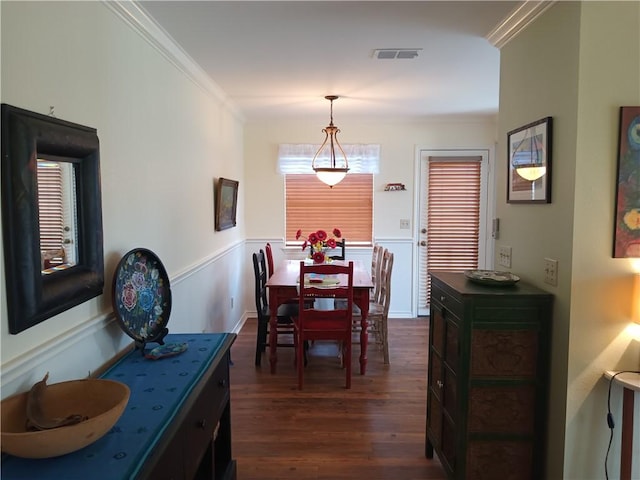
{"points": [[487, 206]]}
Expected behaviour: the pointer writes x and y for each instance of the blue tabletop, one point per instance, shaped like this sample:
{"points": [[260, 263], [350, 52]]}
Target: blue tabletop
{"points": [[158, 390]]}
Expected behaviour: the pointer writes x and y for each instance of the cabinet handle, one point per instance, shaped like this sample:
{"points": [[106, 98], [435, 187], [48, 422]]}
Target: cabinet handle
{"points": [[443, 298], [223, 382], [202, 424], [440, 384]]}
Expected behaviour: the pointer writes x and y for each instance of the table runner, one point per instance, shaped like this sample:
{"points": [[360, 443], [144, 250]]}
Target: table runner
{"points": [[158, 390]]}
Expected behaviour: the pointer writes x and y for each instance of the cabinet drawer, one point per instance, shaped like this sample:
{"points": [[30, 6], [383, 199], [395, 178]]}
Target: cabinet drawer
{"points": [[510, 310], [447, 300], [202, 419], [510, 353], [220, 380]]}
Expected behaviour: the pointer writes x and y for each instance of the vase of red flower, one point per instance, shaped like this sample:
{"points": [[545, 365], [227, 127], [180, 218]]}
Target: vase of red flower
{"points": [[320, 243]]}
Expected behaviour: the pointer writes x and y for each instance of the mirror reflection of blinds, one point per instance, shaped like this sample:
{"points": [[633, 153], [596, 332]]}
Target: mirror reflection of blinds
{"points": [[50, 203], [311, 205], [453, 214]]}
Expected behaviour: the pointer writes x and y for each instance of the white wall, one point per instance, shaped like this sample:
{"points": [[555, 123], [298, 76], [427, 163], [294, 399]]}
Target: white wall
{"points": [[599, 337], [165, 135], [578, 63], [398, 141]]}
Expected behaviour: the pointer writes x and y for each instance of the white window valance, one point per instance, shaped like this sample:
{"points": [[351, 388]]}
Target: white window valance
{"points": [[297, 157]]}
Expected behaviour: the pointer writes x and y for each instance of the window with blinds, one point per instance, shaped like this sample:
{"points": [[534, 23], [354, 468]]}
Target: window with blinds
{"points": [[311, 205], [453, 214]]}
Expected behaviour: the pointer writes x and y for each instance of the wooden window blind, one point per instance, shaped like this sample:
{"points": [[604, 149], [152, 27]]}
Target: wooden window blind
{"points": [[453, 214], [311, 205], [51, 208]]}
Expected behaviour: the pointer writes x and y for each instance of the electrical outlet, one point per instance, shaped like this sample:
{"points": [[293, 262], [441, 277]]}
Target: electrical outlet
{"points": [[504, 256], [404, 224], [551, 271]]}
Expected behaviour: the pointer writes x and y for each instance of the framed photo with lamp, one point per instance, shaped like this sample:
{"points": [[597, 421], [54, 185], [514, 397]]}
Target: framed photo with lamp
{"points": [[529, 163], [226, 203]]}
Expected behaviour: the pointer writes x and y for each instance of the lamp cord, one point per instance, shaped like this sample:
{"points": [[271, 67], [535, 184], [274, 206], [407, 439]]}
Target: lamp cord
{"points": [[610, 421]]}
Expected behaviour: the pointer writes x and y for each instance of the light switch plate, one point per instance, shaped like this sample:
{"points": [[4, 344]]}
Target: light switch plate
{"points": [[504, 256], [551, 271]]}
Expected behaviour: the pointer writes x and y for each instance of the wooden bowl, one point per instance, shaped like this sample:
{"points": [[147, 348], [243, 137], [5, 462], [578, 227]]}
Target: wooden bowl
{"points": [[102, 401]]}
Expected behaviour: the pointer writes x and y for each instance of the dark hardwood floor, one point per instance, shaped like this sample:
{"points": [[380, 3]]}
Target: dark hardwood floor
{"points": [[374, 431]]}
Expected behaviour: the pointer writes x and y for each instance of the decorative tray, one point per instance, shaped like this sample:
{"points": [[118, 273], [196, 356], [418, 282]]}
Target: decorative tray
{"points": [[491, 277], [142, 297]]}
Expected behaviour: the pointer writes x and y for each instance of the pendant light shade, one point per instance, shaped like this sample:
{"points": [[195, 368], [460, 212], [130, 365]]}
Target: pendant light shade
{"points": [[328, 168]]}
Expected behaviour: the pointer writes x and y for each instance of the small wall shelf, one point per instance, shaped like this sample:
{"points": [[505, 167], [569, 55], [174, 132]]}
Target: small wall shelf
{"points": [[394, 187]]}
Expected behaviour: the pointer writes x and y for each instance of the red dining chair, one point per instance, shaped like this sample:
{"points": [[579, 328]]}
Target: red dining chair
{"points": [[318, 282], [269, 253]]}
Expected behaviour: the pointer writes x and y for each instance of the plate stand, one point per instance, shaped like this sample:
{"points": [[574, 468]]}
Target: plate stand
{"points": [[159, 339]]}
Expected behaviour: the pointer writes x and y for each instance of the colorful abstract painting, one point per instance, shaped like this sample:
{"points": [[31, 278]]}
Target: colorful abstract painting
{"points": [[627, 226]]}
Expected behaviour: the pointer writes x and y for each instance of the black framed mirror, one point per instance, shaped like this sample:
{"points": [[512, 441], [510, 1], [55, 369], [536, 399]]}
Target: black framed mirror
{"points": [[53, 243]]}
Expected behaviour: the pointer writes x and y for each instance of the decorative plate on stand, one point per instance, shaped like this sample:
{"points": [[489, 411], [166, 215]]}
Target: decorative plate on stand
{"points": [[493, 278], [142, 297]]}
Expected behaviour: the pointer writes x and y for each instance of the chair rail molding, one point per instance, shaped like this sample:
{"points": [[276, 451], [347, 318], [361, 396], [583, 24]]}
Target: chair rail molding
{"points": [[83, 341]]}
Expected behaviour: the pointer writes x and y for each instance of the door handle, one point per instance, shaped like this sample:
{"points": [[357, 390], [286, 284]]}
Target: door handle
{"points": [[423, 243]]}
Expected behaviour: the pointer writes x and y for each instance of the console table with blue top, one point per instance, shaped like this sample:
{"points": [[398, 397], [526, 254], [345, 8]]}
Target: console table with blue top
{"points": [[177, 423]]}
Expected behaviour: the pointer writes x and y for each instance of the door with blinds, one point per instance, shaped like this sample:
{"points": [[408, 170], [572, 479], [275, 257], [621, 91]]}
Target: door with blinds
{"points": [[453, 215]]}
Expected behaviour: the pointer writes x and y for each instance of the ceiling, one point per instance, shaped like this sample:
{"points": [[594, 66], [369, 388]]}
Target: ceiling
{"points": [[279, 59]]}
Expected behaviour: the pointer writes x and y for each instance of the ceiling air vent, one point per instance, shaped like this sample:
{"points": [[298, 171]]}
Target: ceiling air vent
{"points": [[396, 53]]}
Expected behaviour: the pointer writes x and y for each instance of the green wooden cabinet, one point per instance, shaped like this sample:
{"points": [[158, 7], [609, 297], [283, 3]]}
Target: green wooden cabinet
{"points": [[488, 377]]}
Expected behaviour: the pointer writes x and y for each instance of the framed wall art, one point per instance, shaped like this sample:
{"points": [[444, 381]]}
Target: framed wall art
{"points": [[226, 203], [627, 224], [529, 163]]}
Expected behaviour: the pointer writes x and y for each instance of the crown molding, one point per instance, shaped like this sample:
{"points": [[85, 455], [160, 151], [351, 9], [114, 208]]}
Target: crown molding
{"points": [[141, 22], [519, 19]]}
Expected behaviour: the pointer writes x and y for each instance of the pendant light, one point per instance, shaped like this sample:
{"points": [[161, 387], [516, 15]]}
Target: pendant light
{"points": [[332, 171]]}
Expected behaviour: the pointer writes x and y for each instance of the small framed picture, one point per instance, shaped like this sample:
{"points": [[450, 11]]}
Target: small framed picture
{"points": [[226, 203], [529, 163]]}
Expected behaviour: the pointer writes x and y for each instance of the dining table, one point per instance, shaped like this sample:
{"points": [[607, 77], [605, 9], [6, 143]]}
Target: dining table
{"points": [[283, 287]]}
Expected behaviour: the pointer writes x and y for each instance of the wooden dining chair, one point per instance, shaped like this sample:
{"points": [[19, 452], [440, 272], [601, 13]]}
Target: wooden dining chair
{"points": [[340, 255], [315, 324], [376, 262], [379, 308], [286, 312], [341, 244], [269, 253]]}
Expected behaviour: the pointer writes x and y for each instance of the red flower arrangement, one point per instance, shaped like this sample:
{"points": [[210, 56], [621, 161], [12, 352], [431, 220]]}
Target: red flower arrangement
{"points": [[319, 242]]}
